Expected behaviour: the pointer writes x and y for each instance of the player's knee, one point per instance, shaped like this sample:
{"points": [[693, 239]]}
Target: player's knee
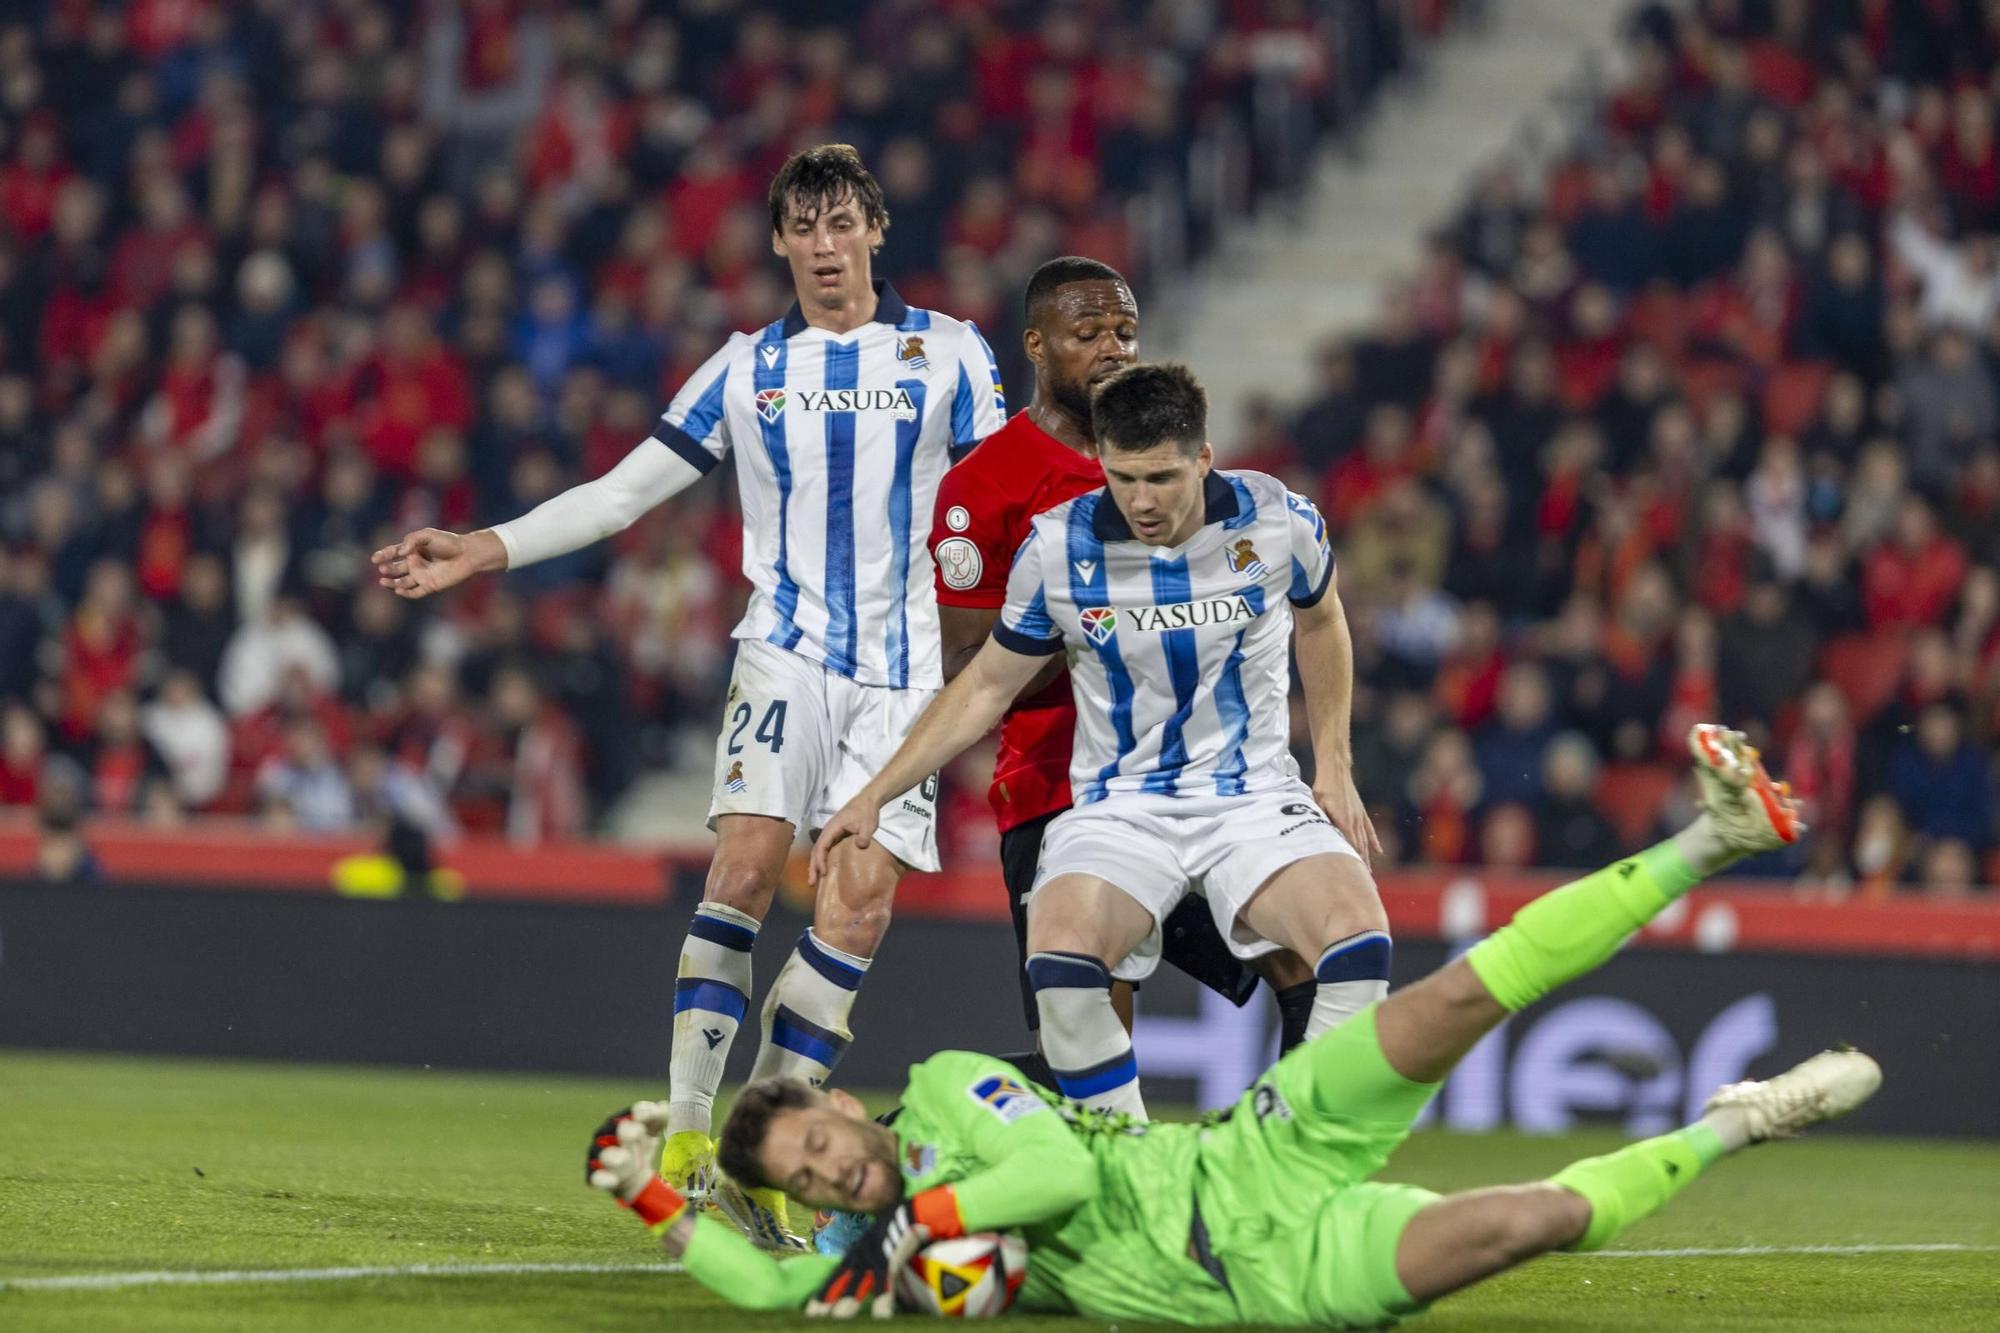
{"points": [[1541, 1217], [743, 883]]}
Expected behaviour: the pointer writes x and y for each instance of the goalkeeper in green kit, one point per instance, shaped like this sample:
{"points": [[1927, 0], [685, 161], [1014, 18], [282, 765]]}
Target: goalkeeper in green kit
{"points": [[1264, 1213]]}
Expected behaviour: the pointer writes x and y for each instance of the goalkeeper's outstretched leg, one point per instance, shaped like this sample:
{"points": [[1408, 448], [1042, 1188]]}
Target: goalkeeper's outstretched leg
{"points": [[1424, 1030]]}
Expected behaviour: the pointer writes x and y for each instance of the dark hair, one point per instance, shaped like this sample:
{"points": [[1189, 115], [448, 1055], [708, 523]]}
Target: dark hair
{"points": [[822, 177], [1142, 406], [1060, 273], [750, 1120]]}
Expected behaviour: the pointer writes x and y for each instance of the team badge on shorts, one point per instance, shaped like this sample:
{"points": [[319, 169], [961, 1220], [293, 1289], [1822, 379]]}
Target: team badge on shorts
{"points": [[735, 781], [1243, 560], [910, 351], [770, 404], [1099, 623]]}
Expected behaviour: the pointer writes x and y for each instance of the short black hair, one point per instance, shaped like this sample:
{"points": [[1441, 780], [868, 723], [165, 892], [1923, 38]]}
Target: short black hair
{"points": [[1142, 406], [750, 1120], [1060, 273], [822, 177]]}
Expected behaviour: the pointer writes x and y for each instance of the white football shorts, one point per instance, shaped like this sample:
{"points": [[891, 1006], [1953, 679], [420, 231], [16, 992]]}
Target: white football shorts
{"points": [[799, 741], [1158, 849]]}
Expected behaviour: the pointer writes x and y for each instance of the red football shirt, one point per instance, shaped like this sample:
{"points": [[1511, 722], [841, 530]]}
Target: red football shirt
{"points": [[983, 510]]}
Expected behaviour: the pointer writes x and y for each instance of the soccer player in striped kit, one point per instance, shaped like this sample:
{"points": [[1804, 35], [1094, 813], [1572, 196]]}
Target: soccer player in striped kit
{"points": [[843, 416], [1082, 328], [1177, 593]]}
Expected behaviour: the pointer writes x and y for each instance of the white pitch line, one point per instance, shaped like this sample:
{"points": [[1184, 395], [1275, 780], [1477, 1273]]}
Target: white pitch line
{"points": [[230, 1277], [1737, 1251], [217, 1277]]}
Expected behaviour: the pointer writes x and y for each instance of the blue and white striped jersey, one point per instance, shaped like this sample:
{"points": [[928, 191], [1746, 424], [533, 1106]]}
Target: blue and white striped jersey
{"points": [[1180, 656], [840, 444]]}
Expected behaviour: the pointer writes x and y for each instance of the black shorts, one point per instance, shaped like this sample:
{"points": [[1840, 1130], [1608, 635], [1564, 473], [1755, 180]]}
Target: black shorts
{"points": [[1189, 939]]}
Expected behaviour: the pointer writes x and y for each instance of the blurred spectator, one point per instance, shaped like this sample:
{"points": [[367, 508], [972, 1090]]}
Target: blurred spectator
{"points": [[1912, 578], [23, 748], [1507, 838], [264, 651], [1949, 404], [303, 786], [1881, 846], [1764, 654], [1944, 782], [1820, 763], [1570, 832], [62, 856], [543, 759], [390, 792], [199, 622], [119, 762], [1950, 870], [191, 737], [1510, 746]]}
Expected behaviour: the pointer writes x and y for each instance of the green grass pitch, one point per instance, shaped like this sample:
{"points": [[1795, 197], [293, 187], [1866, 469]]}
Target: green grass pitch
{"points": [[114, 1165]]}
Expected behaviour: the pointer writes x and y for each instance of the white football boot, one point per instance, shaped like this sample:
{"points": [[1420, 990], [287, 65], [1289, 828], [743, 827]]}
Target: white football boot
{"points": [[1749, 812], [1830, 1084]]}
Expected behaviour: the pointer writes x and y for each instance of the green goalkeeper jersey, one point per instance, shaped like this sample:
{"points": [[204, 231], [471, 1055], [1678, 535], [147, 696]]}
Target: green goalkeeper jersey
{"points": [[1105, 1204]]}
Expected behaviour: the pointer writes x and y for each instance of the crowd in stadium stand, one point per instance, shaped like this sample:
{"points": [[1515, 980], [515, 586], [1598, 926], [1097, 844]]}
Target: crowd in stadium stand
{"points": [[1703, 425], [278, 281]]}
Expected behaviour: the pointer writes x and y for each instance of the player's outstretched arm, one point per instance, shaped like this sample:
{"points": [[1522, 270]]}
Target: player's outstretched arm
{"points": [[1326, 671], [618, 1162], [431, 560], [964, 711]]}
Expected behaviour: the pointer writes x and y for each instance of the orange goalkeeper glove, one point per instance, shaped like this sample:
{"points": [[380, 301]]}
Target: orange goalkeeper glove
{"points": [[620, 1162]]}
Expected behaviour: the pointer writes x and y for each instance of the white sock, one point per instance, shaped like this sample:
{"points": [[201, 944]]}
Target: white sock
{"points": [[1086, 1046], [1353, 973], [1731, 1124], [1702, 849], [711, 996], [805, 1015]]}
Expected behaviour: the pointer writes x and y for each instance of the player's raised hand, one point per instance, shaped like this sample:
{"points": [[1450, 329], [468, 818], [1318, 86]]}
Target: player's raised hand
{"points": [[620, 1159], [1334, 789], [431, 560], [856, 820]]}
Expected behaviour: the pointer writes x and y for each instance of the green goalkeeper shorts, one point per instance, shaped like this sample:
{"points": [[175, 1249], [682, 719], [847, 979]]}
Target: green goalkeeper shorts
{"points": [[1287, 1216]]}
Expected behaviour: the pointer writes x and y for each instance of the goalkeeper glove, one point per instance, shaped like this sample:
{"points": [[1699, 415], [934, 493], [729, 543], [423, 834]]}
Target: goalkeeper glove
{"points": [[620, 1159], [866, 1278]]}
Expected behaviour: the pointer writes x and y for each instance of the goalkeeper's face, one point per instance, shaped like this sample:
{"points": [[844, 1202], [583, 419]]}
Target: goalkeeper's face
{"points": [[831, 1155]]}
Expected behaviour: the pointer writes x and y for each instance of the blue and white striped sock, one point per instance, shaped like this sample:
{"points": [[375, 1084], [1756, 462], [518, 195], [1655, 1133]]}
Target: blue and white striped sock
{"points": [[805, 1015], [1087, 1047], [711, 996], [1353, 973]]}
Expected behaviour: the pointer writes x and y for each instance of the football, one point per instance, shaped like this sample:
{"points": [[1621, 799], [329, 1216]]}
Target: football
{"points": [[970, 1277]]}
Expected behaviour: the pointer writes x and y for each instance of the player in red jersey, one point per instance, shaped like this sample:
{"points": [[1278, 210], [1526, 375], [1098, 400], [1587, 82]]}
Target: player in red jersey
{"points": [[1083, 326]]}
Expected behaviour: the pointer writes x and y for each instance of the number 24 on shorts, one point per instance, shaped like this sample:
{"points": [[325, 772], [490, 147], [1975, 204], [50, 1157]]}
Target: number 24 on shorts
{"points": [[770, 728]]}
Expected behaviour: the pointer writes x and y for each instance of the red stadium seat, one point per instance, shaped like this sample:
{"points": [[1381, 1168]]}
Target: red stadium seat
{"points": [[1866, 668], [1631, 796]]}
